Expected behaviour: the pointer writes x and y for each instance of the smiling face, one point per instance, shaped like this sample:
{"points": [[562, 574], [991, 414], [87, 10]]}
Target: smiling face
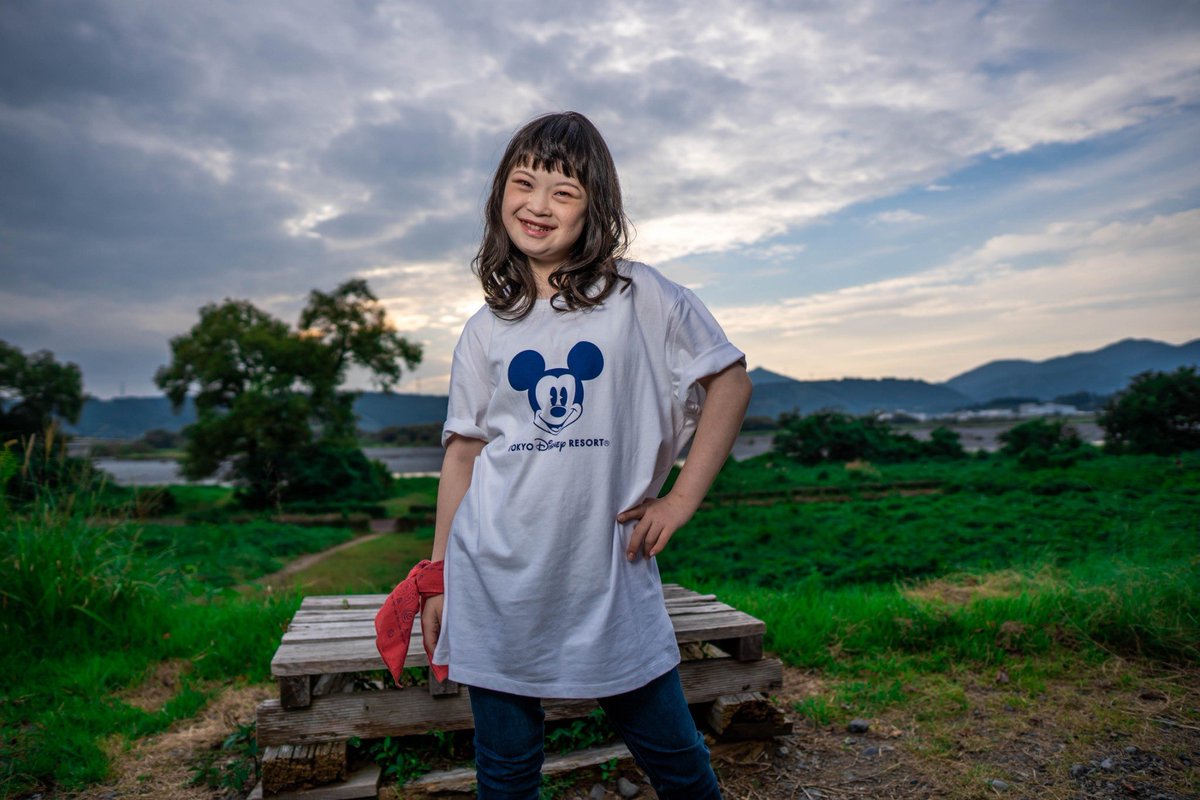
{"points": [[543, 214]]}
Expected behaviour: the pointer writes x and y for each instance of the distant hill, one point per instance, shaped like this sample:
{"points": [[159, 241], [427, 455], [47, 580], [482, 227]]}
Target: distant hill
{"points": [[377, 410], [761, 377], [1102, 371], [774, 394], [130, 417]]}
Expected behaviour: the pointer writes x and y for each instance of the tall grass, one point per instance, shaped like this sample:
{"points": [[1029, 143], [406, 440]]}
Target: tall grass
{"points": [[87, 606], [63, 578]]}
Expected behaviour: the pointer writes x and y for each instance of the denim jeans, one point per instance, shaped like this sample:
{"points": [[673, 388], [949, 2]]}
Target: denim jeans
{"points": [[654, 722]]}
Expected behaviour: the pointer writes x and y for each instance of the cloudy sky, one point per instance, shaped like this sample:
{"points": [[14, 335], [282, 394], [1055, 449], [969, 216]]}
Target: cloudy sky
{"points": [[855, 188]]}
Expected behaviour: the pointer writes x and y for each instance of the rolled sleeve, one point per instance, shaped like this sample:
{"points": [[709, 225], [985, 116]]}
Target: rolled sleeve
{"points": [[470, 388], [698, 348]]}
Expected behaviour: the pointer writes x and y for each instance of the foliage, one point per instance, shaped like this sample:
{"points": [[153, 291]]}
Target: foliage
{"points": [[1040, 443], [1159, 412], [580, 734], [225, 555], [988, 514], [1002, 566], [235, 765], [268, 399], [325, 470], [92, 605], [837, 437], [36, 391], [63, 577], [405, 758]]}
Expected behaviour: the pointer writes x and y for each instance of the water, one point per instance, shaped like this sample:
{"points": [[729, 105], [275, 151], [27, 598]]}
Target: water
{"points": [[400, 461]]}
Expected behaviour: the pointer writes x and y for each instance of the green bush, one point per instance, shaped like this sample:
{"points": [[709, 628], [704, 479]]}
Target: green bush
{"points": [[1041, 443], [1158, 413], [331, 472], [833, 436]]}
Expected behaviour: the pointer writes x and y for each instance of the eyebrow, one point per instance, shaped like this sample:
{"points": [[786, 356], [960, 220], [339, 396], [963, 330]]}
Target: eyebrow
{"points": [[564, 182]]}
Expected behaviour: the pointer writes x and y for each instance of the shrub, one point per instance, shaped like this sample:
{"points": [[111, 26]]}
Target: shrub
{"points": [[1042, 443], [326, 471], [1158, 413], [833, 436]]}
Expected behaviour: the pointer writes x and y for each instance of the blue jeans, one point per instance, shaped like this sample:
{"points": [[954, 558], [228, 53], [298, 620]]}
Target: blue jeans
{"points": [[654, 721]]}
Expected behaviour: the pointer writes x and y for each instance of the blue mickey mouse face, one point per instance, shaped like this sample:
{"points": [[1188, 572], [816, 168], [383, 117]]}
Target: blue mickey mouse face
{"points": [[555, 395]]}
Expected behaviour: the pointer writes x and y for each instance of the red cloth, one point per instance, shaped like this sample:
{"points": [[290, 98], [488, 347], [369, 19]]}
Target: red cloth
{"points": [[394, 622]]}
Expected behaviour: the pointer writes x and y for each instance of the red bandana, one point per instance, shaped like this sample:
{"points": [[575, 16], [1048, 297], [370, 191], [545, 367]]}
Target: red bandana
{"points": [[394, 622]]}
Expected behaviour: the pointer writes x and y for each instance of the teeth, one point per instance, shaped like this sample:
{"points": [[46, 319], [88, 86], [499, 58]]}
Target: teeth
{"points": [[536, 227]]}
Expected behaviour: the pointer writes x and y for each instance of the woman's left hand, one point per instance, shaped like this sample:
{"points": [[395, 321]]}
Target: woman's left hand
{"points": [[658, 519]]}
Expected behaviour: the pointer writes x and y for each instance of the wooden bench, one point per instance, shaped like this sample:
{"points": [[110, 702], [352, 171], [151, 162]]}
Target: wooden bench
{"points": [[332, 637]]}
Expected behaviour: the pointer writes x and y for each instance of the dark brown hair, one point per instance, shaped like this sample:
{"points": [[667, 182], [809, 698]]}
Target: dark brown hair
{"points": [[569, 143]]}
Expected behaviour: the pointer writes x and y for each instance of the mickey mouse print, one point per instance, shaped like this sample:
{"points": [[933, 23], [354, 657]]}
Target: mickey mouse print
{"points": [[555, 395]]}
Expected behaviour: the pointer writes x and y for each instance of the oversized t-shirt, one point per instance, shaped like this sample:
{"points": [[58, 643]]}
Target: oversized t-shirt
{"points": [[583, 413]]}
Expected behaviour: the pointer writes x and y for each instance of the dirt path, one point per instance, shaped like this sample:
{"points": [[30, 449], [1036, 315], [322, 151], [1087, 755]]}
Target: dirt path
{"points": [[304, 562]]}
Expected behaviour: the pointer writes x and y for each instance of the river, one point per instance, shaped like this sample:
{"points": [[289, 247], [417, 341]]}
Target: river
{"points": [[400, 461]]}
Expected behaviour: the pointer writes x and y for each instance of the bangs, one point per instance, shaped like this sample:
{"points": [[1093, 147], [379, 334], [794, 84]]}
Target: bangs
{"points": [[556, 145]]}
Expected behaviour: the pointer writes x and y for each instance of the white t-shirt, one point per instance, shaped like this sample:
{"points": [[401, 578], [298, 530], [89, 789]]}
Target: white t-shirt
{"points": [[583, 413]]}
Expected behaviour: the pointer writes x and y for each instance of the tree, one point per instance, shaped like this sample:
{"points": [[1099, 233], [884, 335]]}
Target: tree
{"points": [[1159, 412], [833, 436], [35, 392], [268, 398], [1041, 442]]}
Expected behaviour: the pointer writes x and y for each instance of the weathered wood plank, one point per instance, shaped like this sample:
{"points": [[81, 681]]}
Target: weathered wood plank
{"points": [[363, 621], [340, 630], [359, 785], [289, 768], [747, 715], [406, 712], [461, 779], [358, 613], [305, 616], [333, 601], [360, 654]]}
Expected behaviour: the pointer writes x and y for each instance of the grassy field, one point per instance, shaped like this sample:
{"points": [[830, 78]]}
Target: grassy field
{"points": [[889, 600]]}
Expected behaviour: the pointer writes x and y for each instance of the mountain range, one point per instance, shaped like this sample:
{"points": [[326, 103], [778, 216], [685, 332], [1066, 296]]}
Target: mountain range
{"points": [[1101, 372]]}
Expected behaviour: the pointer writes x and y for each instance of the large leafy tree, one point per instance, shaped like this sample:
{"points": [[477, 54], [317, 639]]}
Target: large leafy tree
{"points": [[268, 397], [36, 391], [1159, 412]]}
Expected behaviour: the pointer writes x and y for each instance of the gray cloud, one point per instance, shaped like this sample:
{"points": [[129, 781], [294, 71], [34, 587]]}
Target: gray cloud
{"points": [[159, 155]]}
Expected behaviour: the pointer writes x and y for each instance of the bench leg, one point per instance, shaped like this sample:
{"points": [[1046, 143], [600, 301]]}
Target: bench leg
{"points": [[745, 648], [447, 688], [295, 691]]}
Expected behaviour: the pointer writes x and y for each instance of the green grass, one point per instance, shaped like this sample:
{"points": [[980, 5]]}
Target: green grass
{"points": [[991, 515], [375, 566], [190, 499], [226, 555], [1036, 572], [890, 599]]}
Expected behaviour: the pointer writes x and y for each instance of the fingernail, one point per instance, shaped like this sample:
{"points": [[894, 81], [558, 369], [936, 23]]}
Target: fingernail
{"points": [[629, 556]]}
